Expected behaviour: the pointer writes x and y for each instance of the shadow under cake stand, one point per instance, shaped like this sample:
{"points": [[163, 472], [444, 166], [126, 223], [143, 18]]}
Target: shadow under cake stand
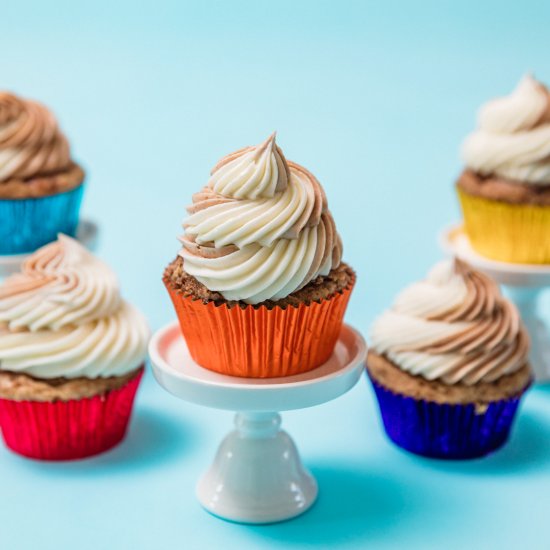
{"points": [[86, 234], [257, 475], [524, 284]]}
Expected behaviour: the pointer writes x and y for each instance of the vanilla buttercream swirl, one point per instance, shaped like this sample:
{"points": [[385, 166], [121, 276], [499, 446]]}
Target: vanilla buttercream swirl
{"points": [[513, 136], [260, 229], [31, 143], [454, 327], [63, 316]]}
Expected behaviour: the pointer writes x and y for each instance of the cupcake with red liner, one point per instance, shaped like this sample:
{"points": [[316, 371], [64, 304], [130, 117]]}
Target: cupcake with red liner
{"points": [[448, 363], [259, 287], [71, 355], [41, 186]]}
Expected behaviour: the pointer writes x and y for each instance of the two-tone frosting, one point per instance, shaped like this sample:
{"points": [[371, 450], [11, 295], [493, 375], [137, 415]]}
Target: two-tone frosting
{"points": [[512, 140], [63, 316], [31, 142], [260, 229], [454, 327]]}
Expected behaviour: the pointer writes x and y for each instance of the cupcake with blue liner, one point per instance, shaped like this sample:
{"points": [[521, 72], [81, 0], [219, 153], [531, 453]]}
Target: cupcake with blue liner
{"points": [[71, 355], [41, 187], [448, 363]]}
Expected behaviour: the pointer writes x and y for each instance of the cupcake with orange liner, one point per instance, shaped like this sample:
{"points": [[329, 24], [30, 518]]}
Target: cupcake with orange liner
{"points": [[40, 185], [259, 287], [71, 355], [448, 363], [505, 189]]}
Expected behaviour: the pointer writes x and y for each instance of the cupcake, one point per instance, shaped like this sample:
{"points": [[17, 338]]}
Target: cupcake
{"points": [[448, 363], [71, 355], [505, 189], [40, 186], [258, 286]]}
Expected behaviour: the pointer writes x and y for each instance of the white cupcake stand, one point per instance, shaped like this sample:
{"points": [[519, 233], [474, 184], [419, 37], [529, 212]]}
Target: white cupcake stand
{"points": [[257, 475], [524, 284], [86, 234]]}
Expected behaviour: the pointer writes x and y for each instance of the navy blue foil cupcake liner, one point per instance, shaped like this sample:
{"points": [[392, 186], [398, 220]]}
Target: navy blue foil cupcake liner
{"points": [[445, 431], [28, 224]]}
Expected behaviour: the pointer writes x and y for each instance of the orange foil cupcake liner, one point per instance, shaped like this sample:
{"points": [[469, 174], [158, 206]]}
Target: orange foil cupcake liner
{"points": [[257, 342]]}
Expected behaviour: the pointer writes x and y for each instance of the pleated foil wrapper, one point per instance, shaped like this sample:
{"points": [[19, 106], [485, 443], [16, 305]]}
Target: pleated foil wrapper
{"points": [[28, 224], [257, 342], [445, 431], [515, 233], [67, 430]]}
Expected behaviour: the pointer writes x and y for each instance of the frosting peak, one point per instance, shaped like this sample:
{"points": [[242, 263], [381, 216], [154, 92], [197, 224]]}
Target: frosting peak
{"points": [[260, 229], [454, 326], [63, 316], [513, 136], [252, 172], [31, 143]]}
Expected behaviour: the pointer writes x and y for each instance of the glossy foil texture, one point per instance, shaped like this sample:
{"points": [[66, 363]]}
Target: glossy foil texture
{"points": [[28, 224], [256, 342], [66, 430], [445, 431], [516, 233]]}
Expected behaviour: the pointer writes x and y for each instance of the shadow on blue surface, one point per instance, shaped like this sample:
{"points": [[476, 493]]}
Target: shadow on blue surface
{"points": [[527, 449], [355, 502], [154, 438]]}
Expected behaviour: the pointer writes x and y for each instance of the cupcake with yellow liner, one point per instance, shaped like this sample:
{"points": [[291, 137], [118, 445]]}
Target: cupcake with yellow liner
{"points": [[505, 189], [40, 185], [448, 363], [258, 286], [71, 355]]}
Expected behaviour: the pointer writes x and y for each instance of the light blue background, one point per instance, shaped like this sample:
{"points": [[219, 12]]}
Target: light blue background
{"points": [[375, 99]]}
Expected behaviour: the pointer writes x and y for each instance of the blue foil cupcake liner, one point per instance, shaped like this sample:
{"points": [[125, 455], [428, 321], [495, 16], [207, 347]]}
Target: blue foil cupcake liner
{"points": [[28, 224], [445, 431]]}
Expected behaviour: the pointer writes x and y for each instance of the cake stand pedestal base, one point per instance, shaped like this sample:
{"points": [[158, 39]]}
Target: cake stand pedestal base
{"points": [[257, 475]]}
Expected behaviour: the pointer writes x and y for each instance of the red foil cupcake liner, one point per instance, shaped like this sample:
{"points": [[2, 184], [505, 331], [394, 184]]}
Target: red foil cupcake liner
{"points": [[66, 430], [257, 342]]}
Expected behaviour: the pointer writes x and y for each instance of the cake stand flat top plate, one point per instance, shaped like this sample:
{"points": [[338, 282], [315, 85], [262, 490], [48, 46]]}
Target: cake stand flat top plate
{"points": [[176, 371], [453, 240], [87, 234]]}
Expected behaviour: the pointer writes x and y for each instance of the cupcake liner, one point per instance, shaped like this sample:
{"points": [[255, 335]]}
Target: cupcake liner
{"points": [[28, 224], [442, 430], [516, 233], [66, 430], [257, 342]]}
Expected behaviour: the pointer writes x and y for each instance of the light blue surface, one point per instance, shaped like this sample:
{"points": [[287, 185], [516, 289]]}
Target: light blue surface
{"points": [[374, 99]]}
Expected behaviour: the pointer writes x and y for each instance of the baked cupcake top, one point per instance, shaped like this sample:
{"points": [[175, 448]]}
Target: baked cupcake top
{"points": [[260, 229], [63, 316], [512, 140], [454, 327], [34, 153]]}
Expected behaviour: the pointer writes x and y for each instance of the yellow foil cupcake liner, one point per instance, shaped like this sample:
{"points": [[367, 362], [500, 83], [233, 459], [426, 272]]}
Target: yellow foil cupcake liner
{"points": [[516, 233]]}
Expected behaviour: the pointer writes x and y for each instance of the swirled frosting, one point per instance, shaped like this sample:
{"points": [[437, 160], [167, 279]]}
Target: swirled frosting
{"points": [[513, 136], [260, 229], [454, 327], [31, 143], [63, 316]]}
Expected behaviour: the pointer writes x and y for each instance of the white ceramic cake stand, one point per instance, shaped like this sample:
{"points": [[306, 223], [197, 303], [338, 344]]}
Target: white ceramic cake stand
{"points": [[257, 475], [524, 284], [87, 234]]}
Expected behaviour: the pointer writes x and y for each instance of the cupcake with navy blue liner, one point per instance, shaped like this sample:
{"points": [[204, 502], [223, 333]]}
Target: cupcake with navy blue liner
{"points": [[448, 364], [40, 185]]}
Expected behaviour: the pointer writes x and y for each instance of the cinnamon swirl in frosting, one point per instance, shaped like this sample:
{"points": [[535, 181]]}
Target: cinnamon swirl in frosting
{"points": [[34, 153], [454, 327], [260, 229], [63, 316]]}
